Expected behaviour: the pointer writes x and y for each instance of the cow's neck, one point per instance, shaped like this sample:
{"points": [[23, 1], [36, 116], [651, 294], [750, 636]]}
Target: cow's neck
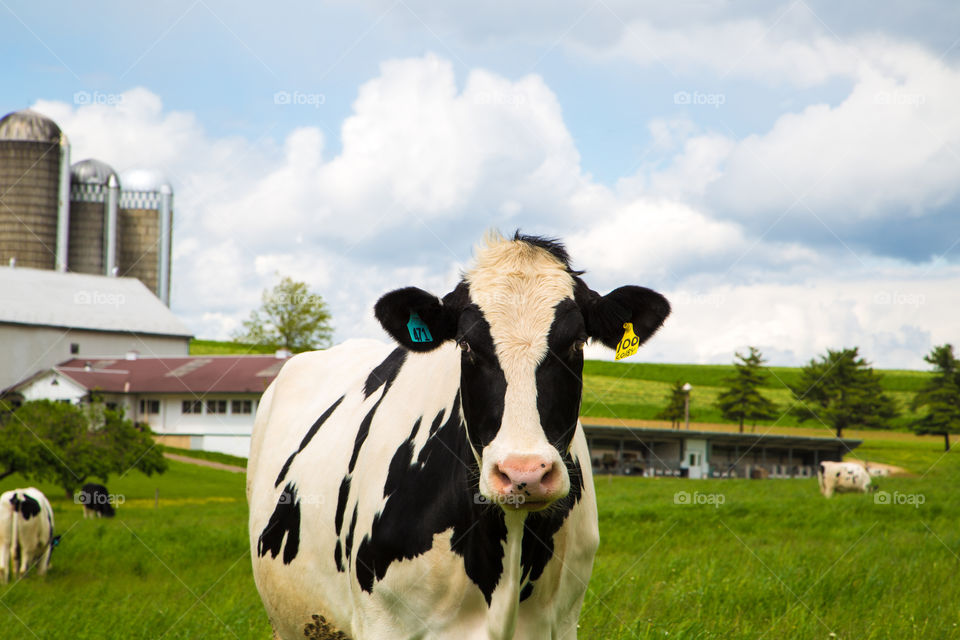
{"points": [[502, 615]]}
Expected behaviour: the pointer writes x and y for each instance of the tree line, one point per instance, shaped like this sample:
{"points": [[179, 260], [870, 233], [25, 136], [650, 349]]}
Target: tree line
{"points": [[840, 390]]}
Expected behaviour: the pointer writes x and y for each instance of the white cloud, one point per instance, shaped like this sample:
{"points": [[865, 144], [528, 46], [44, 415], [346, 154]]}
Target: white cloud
{"points": [[425, 166]]}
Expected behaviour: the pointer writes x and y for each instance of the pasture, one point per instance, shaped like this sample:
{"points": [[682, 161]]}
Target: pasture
{"points": [[727, 559]]}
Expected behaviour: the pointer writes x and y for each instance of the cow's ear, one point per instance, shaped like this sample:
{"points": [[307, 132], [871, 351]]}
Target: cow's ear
{"points": [[417, 320], [605, 315]]}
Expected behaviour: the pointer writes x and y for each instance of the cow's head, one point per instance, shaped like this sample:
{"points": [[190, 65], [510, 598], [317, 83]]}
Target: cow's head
{"points": [[520, 317]]}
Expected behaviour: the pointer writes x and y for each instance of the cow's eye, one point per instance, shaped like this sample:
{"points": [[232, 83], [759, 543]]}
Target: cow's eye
{"points": [[578, 344], [464, 346]]}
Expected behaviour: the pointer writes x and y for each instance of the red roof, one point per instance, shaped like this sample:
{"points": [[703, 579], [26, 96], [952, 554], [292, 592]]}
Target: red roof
{"points": [[185, 374]]}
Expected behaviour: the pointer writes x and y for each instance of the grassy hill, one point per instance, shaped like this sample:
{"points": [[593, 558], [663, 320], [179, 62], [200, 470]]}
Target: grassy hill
{"points": [[639, 390]]}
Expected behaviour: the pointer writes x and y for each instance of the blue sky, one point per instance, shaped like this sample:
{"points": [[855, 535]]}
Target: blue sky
{"points": [[786, 173]]}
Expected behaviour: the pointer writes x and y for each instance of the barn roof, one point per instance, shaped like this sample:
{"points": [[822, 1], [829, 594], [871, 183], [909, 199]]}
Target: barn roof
{"points": [[185, 374], [717, 437], [41, 297]]}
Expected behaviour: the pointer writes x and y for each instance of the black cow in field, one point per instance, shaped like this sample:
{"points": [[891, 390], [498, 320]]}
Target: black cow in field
{"points": [[96, 501]]}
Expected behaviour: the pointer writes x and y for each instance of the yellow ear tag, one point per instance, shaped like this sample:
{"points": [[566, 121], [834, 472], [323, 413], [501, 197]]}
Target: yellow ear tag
{"points": [[628, 344]]}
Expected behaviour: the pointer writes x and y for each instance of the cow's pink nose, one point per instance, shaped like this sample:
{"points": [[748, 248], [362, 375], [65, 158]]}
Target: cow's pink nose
{"points": [[534, 478]]}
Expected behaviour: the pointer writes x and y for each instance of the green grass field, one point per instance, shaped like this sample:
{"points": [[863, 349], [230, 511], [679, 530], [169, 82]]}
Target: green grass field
{"points": [[774, 560]]}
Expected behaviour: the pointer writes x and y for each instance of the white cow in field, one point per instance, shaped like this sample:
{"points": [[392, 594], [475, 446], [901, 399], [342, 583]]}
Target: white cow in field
{"points": [[843, 477], [442, 489], [26, 532]]}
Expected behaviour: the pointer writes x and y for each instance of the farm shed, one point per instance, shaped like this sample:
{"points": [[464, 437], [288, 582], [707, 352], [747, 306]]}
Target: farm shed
{"points": [[708, 454]]}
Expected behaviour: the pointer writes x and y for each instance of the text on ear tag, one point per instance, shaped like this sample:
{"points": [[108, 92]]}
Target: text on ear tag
{"points": [[418, 330], [628, 344]]}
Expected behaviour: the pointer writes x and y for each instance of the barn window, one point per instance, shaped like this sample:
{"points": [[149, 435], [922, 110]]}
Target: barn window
{"points": [[241, 406], [74, 348], [192, 406], [149, 406], [216, 406]]}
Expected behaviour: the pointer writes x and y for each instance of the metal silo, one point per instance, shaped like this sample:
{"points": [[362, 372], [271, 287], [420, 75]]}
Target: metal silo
{"points": [[145, 230], [34, 181], [94, 202]]}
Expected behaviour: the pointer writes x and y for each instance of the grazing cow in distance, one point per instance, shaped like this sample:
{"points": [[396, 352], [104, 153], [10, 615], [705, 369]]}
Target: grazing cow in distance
{"points": [[96, 501], [26, 532], [843, 477], [442, 487]]}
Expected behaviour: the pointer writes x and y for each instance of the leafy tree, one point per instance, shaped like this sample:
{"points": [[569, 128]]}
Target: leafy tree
{"points": [[940, 396], [674, 411], [842, 391], [66, 444], [290, 317], [743, 400]]}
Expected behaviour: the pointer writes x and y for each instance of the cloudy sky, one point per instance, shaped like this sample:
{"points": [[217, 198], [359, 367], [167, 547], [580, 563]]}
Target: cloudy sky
{"points": [[787, 174]]}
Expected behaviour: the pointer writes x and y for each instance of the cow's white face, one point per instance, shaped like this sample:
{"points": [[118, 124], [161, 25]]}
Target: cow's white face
{"points": [[521, 338], [521, 317]]}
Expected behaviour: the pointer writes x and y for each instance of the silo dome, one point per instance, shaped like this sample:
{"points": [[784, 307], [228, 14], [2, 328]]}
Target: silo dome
{"points": [[30, 126], [91, 171]]}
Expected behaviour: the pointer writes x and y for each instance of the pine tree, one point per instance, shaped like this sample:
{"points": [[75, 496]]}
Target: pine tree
{"points": [[940, 396], [842, 391], [674, 411], [743, 400]]}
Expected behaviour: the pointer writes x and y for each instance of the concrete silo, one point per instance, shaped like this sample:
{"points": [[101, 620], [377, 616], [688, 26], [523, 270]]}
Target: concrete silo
{"points": [[34, 184], [145, 230], [94, 206]]}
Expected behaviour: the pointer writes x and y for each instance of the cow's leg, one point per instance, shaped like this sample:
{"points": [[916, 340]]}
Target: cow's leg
{"points": [[45, 560], [24, 562], [4, 562]]}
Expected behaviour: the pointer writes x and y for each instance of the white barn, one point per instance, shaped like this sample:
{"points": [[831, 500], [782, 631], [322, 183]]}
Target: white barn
{"points": [[47, 317], [192, 402]]}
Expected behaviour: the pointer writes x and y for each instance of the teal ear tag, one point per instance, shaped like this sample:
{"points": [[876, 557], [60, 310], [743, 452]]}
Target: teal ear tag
{"points": [[418, 330]]}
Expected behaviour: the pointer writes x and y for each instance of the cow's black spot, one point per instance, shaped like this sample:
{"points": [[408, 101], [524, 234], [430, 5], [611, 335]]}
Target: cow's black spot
{"points": [[385, 372], [482, 382], [28, 507], [432, 494], [95, 497], [306, 440], [338, 520], [348, 543], [540, 527], [560, 376], [283, 523]]}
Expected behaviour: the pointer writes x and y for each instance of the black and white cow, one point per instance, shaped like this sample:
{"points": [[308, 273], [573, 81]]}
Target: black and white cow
{"points": [[440, 489], [96, 501], [26, 532]]}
